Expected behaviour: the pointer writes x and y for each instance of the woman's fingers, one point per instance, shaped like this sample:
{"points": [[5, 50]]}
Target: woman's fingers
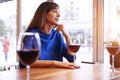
{"points": [[74, 65], [71, 65], [59, 27], [66, 65]]}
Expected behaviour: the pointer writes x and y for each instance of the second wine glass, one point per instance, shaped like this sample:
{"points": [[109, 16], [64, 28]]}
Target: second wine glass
{"points": [[113, 50], [28, 49], [74, 44]]}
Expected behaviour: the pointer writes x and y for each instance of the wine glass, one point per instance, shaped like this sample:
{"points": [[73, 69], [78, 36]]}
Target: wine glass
{"points": [[113, 50], [28, 49], [74, 43]]}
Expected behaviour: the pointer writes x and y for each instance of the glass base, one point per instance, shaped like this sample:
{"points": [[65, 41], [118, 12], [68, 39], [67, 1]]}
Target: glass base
{"points": [[113, 70]]}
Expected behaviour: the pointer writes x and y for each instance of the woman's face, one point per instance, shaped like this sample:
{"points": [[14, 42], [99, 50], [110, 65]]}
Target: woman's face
{"points": [[53, 16]]}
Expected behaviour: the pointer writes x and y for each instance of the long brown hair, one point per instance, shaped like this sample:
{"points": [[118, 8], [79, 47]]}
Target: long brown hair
{"points": [[39, 18]]}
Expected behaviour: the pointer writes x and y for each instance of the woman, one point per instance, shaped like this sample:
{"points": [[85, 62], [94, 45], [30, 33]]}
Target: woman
{"points": [[53, 47]]}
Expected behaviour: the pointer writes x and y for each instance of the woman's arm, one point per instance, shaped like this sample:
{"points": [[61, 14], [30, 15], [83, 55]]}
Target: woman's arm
{"points": [[56, 64], [61, 28]]}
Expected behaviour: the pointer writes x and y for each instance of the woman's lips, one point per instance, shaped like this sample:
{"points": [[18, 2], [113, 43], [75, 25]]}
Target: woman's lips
{"points": [[57, 19]]}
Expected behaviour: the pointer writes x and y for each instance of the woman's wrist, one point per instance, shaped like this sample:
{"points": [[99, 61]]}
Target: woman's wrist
{"points": [[55, 63], [66, 37]]}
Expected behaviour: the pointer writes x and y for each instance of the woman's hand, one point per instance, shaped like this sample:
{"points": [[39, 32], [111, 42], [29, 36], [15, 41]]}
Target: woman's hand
{"points": [[66, 65], [60, 27], [54, 64]]}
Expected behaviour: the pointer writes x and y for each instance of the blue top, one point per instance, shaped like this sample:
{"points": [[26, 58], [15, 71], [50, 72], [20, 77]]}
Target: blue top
{"points": [[53, 46]]}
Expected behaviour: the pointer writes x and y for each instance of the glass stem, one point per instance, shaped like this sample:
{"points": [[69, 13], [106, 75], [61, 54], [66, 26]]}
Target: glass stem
{"points": [[113, 63], [74, 58], [28, 72]]}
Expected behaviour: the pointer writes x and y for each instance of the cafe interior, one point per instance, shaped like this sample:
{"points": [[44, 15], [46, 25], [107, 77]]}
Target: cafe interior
{"points": [[96, 22]]}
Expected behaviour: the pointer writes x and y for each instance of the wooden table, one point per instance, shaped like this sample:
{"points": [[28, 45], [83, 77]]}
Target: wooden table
{"points": [[96, 71]]}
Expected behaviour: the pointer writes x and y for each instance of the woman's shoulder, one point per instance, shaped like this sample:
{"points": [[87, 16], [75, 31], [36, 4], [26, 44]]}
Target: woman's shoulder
{"points": [[57, 33], [33, 30]]}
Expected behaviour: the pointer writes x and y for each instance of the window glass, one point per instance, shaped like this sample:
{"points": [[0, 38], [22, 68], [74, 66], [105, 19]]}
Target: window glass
{"points": [[76, 16], [28, 7], [111, 23], [8, 25], [8, 29]]}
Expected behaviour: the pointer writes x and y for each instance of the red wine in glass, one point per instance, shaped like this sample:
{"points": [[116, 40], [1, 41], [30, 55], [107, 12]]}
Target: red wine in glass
{"points": [[27, 57], [28, 49], [113, 50], [74, 48], [75, 42]]}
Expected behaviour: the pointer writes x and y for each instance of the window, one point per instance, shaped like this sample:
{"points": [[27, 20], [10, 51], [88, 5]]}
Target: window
{"points": [[77, 17], [111, 22], [8, 29], [28, 7], [8, 23]]}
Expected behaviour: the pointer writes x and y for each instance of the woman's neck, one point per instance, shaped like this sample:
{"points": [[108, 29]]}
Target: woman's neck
{"points": [[47, 29]]}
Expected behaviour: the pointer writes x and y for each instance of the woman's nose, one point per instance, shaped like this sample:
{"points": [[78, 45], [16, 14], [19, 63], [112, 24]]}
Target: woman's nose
{"points": [[58, 14]]}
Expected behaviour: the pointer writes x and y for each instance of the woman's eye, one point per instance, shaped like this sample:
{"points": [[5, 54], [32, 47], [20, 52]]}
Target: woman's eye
{"points": [[54, 10]]}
